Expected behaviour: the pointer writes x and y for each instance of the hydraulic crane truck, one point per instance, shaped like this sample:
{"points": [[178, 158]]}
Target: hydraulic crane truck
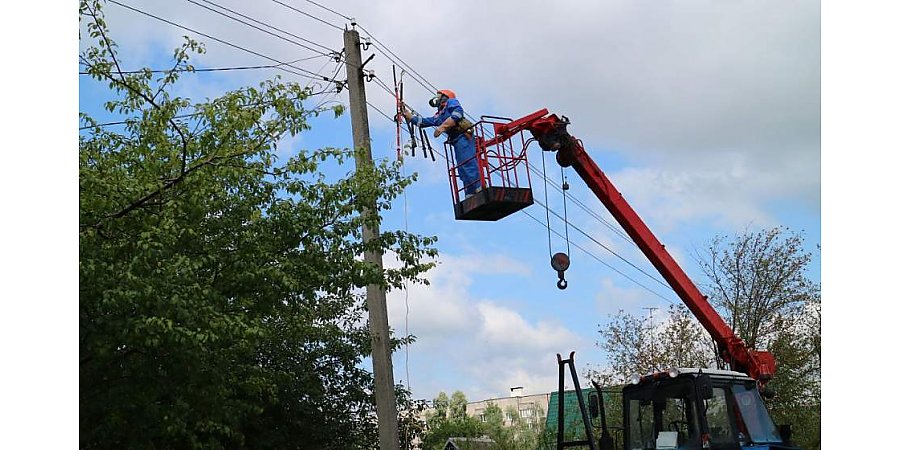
{"points": [[678, 408]]}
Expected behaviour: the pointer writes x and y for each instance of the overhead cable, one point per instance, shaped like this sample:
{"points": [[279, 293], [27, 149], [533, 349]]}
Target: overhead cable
{"points": [[308, 15], [306, 73], [329, 9], [331, 51], [213, 69]]}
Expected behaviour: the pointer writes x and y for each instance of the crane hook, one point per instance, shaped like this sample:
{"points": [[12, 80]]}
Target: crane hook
{"points": [[560, 262]]}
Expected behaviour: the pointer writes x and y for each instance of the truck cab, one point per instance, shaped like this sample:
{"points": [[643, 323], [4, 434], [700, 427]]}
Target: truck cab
{"points": [[688, 409]]}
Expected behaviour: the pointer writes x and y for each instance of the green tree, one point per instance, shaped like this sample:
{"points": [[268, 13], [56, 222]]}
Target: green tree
{"points": [[759, 280], [457, 406], [518, 433], [412, 427], [634, 345], [220, 290], [440, 406], [446, 421]]}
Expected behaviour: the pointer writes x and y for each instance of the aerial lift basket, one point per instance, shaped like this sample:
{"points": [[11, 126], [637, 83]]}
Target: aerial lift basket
{"points": [[502, 169]]}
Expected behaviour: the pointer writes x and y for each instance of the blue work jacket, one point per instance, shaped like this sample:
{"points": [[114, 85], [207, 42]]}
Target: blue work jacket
{"points": [[451, 109]]}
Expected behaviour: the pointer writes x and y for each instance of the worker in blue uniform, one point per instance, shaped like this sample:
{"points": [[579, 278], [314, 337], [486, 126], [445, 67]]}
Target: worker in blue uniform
{"points": [[450, 119]]}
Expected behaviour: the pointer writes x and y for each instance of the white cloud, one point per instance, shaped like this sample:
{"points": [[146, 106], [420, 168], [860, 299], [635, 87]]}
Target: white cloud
{"points": [[487, 346]]}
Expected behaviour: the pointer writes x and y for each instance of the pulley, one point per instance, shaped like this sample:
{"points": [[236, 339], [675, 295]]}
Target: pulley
{"points": [[560, 262]]}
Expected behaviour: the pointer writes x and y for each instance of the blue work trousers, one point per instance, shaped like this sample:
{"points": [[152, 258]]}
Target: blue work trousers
{"points": [[466, 163]]}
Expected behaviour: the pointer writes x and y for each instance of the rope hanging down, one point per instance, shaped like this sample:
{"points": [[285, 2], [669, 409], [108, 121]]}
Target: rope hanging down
{"points": [[558, 261]]}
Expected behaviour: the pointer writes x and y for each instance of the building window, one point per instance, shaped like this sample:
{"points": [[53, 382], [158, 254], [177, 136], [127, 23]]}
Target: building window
{"points": [[526, 413]]}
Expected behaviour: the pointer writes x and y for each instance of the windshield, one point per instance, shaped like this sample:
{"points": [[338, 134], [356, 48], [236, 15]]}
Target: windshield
{"points": [[754, 415]]}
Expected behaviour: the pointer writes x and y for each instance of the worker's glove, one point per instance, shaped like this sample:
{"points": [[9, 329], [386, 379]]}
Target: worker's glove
{"points": [[406, 112]]}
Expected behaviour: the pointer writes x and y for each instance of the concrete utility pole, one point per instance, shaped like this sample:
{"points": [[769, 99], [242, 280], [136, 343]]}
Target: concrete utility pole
{"points": [[383, 368]]}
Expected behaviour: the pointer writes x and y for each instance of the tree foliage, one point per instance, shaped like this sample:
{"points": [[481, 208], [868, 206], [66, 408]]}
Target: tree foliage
{"points": [[220, 300], [457, 407], [635, 345], [448, 419], [445, 421], [758, 282]]}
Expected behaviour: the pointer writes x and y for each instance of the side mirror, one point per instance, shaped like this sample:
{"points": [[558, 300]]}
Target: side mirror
{"points": [[594, 405], [704, 386]]}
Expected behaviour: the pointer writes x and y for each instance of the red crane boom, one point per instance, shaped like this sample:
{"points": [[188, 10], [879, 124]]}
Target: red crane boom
{"points": [[551, 134]]}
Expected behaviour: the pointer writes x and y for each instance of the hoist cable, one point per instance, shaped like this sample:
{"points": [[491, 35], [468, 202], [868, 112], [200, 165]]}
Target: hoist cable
{"points": [[597, 258], [547, 208], [609, 249], [565, 185]]}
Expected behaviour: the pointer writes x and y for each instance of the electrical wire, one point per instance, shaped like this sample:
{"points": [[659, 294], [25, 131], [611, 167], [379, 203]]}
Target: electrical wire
{"points": [[406, 288], [308, 15], [331, 51], [215, 69], [230, 44], [187, 116], [329, 9]]}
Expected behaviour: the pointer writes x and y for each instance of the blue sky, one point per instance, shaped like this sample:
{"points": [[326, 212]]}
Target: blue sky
{"points": [[706, 116]]}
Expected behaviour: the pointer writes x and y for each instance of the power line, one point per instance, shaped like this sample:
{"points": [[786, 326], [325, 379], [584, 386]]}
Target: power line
{"points": [[230, 44], [332, 52], [329, 9], [186, 116], [384, 48], [214, 69], [308, 15]]}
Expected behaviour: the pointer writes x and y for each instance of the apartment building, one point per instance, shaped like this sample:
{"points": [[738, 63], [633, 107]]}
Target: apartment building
{"points": [[531, 408]]}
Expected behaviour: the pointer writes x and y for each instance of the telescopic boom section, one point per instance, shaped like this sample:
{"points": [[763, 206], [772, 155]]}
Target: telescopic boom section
{"points": [[551, 134]]}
